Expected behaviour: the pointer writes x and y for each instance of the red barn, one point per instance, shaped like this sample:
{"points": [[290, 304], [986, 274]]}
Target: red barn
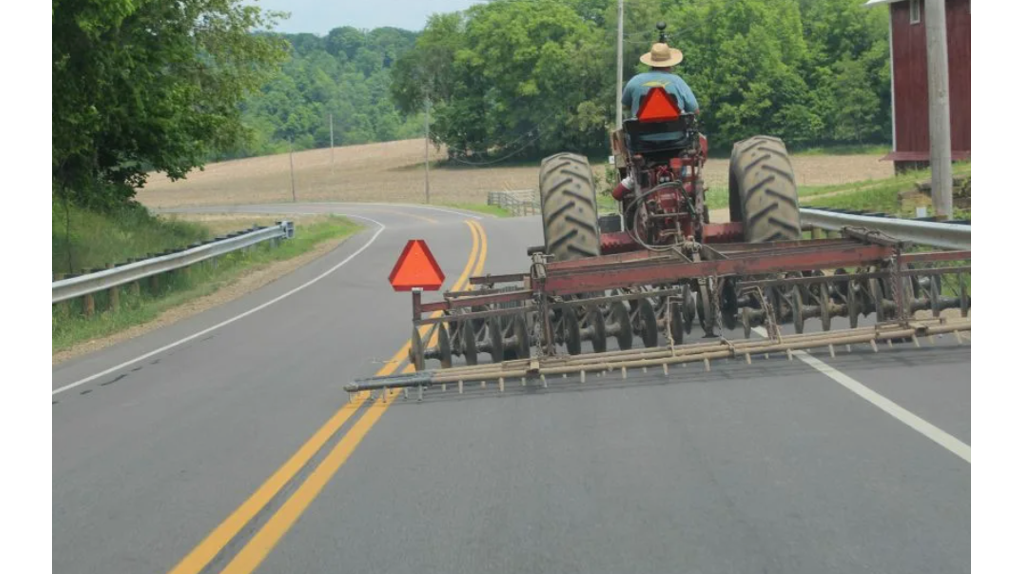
{"points": [[908, 54]]}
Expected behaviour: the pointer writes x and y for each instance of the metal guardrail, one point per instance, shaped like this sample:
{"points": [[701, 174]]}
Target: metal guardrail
{"points": [[519, 202], [131, 272], [947, 235]]}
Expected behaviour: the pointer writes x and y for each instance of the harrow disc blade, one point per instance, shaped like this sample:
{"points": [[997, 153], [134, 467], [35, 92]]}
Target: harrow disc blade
{"points": [[571, 331], [647, 322], [468, 342], [521, 337], [444, 345], [416, 356], [677, 321], [621, 325], [598, 333], [497, 339]]}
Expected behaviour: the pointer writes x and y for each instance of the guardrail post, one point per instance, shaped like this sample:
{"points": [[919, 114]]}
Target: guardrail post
{"points": [[88, 304], [113, 294], [815, 233], [63, 305], [154, 284]]}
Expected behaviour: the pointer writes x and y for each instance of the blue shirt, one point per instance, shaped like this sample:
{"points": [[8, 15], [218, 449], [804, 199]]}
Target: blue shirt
{"points": [[640, 84]]}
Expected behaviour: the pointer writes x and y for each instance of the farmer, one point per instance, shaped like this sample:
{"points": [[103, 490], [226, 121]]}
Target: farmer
{"points": [[661, 59]]}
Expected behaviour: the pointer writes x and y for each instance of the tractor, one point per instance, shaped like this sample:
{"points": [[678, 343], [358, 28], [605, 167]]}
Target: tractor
{"points": [[642, 276]]}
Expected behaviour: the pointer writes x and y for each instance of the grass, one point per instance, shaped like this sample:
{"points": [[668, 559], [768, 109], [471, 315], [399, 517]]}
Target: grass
{"points": [[71, 326], [84, 240], [875, 195], [848, 149], [494, 210]]}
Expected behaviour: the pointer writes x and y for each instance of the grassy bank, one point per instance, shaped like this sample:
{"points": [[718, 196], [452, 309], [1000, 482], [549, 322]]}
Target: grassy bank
{"points": [[101, 239], [494, 210], [84, 240], [875, 195]]}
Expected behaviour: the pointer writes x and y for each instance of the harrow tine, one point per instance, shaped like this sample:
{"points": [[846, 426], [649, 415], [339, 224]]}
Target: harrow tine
{"points": [[663, 357]]}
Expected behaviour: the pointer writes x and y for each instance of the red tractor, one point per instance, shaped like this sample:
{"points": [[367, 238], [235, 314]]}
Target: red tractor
{"points": [[640, 277], [661, 198]]}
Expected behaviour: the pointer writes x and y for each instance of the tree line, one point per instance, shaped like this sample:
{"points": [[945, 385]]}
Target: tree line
{"points": [[159, 85], [342, 77], [526, 78]]}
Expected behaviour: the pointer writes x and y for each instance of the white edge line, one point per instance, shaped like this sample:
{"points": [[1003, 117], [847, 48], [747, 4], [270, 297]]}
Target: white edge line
{"points": [[116, 368], [944, 439]]}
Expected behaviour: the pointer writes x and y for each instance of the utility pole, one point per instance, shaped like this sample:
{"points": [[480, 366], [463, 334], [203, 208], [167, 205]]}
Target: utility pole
{"points": [[330, 119], [426, 147], [291, 164], [618, 85], [941, 155]]}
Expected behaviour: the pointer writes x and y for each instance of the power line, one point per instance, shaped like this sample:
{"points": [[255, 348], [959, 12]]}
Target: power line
{"points": [[504, 157]]}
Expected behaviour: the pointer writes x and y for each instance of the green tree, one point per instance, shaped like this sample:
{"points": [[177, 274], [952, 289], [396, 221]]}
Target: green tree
{"points": [[142, 85], [856, 103]]}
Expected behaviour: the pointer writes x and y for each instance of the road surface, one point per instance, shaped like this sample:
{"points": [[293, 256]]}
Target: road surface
{"points": [[225, 443]]}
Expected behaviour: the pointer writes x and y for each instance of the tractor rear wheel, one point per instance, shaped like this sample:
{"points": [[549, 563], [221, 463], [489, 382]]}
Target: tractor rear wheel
{"points": [[762, 190], [569, 207]]}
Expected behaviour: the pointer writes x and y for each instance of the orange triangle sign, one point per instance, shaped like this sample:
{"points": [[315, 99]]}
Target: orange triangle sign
{"points": [[416, 267], [657, 107]]}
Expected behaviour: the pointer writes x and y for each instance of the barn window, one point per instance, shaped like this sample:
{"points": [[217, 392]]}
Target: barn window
{"points": [[915, 11]]}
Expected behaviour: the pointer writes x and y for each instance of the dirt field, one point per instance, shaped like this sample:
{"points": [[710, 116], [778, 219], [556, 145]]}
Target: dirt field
{"points": [[393, 172]]}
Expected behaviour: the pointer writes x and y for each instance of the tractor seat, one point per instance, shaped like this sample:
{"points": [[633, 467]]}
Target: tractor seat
{"points": [[639, 141]]}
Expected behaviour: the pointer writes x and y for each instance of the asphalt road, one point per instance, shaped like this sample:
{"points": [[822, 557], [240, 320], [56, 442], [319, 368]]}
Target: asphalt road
{"points": [[238, 449]]}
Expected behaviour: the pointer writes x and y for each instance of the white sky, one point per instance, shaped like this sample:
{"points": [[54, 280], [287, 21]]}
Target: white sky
{"points": [[320, 16]]}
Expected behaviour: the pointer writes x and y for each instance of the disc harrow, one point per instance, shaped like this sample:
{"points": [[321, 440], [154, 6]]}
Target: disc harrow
{"points": [[645, 308]]}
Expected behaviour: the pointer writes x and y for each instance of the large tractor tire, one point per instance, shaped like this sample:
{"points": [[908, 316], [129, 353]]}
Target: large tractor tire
{"points": [[762, 190], [568, 205]]}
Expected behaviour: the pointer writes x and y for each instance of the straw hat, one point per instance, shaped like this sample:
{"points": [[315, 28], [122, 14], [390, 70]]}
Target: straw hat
{"points": [[661, 56]]}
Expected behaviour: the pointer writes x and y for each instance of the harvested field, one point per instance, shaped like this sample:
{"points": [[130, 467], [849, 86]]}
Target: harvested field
{"points": [[393, 172]]}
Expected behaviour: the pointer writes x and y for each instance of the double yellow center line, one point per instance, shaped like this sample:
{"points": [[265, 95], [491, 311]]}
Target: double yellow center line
{"points": [[260, 545]]}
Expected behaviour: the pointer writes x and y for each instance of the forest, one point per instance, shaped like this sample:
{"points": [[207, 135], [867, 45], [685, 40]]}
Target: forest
{"points": [[532, 77]]}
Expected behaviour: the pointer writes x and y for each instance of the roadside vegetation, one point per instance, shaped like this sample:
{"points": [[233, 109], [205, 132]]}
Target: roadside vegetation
{"points": [[494, 210], [100, 239], [883, 195], [83, 239]]}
